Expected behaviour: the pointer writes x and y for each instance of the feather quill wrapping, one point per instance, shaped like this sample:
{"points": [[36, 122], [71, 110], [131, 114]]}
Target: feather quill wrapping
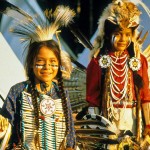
{"points": [[81, 38], [13, 11]]}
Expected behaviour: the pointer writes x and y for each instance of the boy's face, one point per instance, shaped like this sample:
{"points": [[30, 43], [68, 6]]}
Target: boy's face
{"points": [[45, 65], [121, 39]]}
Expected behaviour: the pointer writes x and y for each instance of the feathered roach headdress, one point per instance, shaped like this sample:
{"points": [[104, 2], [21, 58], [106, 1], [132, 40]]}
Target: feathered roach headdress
{"points": [[122, 13], [37, 30]]}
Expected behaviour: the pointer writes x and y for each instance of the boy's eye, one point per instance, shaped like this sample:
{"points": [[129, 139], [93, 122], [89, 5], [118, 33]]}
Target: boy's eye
{"points": [[39, 60], [53, 61], [117, 34], [128, 34]]}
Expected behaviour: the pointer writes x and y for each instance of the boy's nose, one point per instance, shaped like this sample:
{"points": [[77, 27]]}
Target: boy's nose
{"points": [[123, 37]]}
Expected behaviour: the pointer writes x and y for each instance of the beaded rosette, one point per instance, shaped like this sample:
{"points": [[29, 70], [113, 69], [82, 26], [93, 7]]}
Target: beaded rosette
{"points": [[52, 126], [135, 64], [105, 61]]}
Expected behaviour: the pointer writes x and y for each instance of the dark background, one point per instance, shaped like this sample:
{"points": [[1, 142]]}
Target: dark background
{"points": [[87, 14]]}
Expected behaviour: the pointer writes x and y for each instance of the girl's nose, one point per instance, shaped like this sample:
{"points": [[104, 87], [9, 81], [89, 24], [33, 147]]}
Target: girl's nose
{"points": [[48, 66]]}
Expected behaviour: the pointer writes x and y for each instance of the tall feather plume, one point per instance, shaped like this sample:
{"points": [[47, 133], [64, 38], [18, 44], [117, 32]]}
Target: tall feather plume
{"points": [[63, 15], [39, 30], [42, 30]]}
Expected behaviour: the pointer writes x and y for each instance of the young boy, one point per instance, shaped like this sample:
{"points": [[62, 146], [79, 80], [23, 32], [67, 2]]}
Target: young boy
{"points": [[117, 76]]}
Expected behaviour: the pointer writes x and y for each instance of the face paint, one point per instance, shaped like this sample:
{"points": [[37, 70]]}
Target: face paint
{"points": [[42, 66], [121, 39], [46, 65], [114, 39], [39, 66]]}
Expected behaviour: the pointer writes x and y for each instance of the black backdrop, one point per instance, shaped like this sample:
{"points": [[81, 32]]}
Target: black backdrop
{"points": [[87, 14]]}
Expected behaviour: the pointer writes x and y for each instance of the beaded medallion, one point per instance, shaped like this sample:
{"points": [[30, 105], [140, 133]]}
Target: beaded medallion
{"points": [[47, 106]]}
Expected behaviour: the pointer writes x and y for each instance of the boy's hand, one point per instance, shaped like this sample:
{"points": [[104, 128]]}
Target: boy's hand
{"points": [[147, 131]]}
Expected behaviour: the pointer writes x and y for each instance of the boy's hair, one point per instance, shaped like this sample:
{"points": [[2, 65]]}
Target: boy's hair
{"points": [[124, 14]]}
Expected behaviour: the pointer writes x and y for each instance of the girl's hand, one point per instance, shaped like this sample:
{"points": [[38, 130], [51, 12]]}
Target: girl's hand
{"points": [[3, 124]]}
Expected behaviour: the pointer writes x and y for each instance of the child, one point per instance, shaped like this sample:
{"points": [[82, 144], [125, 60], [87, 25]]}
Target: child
{"points": [[38, 109], [117, 75]]}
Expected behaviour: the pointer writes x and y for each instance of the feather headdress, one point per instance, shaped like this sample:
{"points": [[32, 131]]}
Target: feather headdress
{"points": [[123, 13], [37, 30]]}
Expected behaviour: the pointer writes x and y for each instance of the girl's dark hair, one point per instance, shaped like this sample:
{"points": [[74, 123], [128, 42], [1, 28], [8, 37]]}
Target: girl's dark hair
{"points": [[64, 99], [31, 55]]}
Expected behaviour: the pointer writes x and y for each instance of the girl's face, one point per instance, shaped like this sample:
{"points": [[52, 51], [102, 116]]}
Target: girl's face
{"points": [[45, 65], [121, 39]]}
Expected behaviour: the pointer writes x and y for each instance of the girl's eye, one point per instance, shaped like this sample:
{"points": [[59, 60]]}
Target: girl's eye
{"points": [[40, 61]]}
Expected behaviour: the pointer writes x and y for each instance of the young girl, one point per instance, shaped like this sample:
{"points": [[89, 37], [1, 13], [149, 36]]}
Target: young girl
{"points": [[117, 76], [38, 109]]}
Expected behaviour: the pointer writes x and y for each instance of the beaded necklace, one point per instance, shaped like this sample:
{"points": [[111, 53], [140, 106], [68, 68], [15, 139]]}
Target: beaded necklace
{"points": [[119, 68], [119, 89], [122, 73], [52, 127]]}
